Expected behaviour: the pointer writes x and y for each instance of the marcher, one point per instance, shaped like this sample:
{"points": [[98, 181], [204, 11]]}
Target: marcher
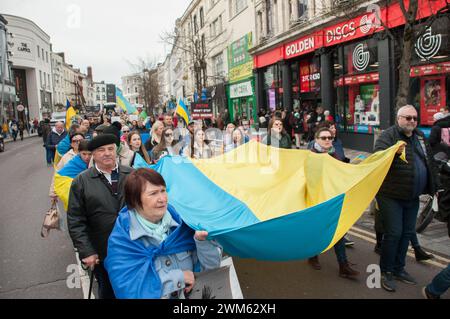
{"points": [[152, 253], [124, 154], [277, 136], [440, 133], [324, 144], [135, 144], [155, 137], [75, 140], [96, 197], [237, 140], [398, 197], [165, 147], [57, 134], [199, 148], [14, 129]]}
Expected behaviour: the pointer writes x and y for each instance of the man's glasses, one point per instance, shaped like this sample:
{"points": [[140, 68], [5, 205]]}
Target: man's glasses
{"points": [[409, 118], [324, 138]]}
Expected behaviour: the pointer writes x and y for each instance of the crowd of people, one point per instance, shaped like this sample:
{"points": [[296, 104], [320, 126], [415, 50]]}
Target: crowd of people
{"points": [[149, 234]]}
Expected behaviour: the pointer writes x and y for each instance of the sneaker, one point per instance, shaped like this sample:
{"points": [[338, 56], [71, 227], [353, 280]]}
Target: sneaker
{"points": [[427, 295], [348, 242], [403, 276], [387, 282], [421, 255]]}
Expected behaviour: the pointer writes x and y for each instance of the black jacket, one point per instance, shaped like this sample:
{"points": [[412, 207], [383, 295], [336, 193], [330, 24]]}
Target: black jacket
{"points": [[435, 136], [92, 211], [53, 139], [399, 182]]}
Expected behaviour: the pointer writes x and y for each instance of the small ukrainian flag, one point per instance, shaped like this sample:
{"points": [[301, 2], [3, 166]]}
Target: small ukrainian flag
{"points": [[183, 111]]}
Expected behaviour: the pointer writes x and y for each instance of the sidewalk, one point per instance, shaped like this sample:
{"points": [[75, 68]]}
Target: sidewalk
{"points": [[25, 135], [434, 238]]}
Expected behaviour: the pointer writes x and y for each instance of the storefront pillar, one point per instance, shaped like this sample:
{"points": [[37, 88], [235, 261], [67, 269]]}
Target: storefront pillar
{"points": [[326, 81], [287, 86], [259, 88], [386, 81]]}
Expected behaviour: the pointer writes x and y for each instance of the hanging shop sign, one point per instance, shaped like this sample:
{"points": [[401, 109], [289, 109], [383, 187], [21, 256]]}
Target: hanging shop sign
{"points": [[239, 60], [432, 98], [241, 90]]}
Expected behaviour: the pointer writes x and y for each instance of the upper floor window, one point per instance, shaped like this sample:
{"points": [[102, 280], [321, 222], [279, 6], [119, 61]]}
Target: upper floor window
{"points": [[39, 52], [216, 27], [195, 25], [202, 18], [269, 16], [237, 6], [218, 65]]}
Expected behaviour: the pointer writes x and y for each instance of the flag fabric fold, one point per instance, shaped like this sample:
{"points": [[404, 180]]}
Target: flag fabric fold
{"points": [[123, 103], [273, 204], [183, 111]]}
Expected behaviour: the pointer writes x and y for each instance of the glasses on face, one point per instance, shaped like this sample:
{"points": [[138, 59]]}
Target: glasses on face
{"points": [[409, 118], [278, 124], [77, 141], [324, 138], [168, 134], [125, 131]]}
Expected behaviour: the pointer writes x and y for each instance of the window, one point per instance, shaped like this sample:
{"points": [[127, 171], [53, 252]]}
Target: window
{"points": [[135, 89], [39, 52], [98, 97], [40, 77], [137, 101], [203, 45], [103, 97], [237, 6], [46, 56], [302, 8], [216, 27], [202, 18], [218, 65], [103, 89], [128, 90], [45, 80], [42, 50], [269, 17], [48, 77], [195, 24]]}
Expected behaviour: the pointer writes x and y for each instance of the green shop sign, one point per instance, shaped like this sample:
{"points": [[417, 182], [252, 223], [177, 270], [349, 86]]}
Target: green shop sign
{"points": [[239, 60]]}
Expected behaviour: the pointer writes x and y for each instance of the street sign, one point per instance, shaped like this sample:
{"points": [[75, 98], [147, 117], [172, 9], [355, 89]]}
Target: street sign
{"points": [[20, 108]]}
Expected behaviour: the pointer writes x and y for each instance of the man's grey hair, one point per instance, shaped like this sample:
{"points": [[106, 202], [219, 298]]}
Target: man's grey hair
{"points": [[404, 108]]}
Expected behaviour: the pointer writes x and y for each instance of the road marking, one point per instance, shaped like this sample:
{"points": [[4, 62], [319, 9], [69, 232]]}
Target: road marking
{"points": [[441, 258]]}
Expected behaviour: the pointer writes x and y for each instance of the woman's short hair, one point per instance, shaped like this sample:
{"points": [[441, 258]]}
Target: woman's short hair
{"points": [[320, 130], [83, 146], [135, 185]]}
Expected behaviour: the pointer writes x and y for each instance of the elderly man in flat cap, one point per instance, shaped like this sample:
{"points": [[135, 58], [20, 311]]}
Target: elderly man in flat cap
{"points": [[96, 197]]}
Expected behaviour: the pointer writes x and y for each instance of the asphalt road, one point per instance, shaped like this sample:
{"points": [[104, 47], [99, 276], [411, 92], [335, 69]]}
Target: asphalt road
{"points": [[31, 267]]}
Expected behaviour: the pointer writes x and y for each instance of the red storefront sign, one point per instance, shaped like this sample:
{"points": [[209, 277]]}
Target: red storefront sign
{"points": [[361, 26], [430, 69], [361, 78], [303, 45]]}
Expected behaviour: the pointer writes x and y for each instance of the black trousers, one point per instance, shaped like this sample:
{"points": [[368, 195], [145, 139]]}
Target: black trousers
{"points": [[105, 290]]}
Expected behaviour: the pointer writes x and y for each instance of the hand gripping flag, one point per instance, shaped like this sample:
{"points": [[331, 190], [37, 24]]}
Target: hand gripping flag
{"points": [[65, 176], [273, 204]]}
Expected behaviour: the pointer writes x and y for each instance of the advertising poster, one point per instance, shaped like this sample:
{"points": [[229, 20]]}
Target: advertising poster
{"points": [[432, 98], [202, 110], [272, 101]]}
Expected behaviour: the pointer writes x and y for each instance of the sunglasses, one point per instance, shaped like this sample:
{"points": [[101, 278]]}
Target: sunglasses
{"points": [[76, 141], [323, 138], [409, 118], [125, 131], [168, 134]]}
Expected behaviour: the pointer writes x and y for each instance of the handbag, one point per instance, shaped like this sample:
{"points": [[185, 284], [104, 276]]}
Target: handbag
{"points": [[51, 220]]}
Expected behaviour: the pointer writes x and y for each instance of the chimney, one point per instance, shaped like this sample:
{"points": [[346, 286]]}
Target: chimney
{"points": [[89, 74]]}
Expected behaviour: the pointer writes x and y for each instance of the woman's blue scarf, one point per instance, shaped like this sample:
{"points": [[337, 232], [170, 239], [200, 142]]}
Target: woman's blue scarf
{"points": [[130, 264]]}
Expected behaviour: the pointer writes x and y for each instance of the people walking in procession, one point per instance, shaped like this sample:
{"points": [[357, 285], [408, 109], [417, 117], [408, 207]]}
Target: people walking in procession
{"points": [[277, 136], [57, 134], [398, 197], [96, 197], [152, 253], [135, 144]]}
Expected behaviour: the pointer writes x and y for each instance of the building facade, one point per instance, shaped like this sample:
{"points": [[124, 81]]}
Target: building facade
{"points": [[8, 96], [99, 94], [347, 63], [32, 67]]}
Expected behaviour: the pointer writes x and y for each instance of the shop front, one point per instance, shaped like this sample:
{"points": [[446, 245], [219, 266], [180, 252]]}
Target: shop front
{"points": [[241, 87], [430, 72], [349, 68]]}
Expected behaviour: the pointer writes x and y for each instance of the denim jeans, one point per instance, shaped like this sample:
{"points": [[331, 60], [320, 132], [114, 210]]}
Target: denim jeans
{"points": [[440, 283], [50, 155], [339, 250], [399, 220], [105, 290]]}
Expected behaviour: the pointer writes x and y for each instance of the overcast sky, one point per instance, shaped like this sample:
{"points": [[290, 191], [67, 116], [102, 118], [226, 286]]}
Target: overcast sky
{"points": [[104, 34]]}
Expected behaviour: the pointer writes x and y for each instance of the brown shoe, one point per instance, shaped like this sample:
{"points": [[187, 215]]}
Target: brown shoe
{"points": [[346, 271], [314, 262]]}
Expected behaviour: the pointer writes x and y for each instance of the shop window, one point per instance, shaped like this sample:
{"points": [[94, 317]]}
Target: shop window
{"points": [[357, 90]]}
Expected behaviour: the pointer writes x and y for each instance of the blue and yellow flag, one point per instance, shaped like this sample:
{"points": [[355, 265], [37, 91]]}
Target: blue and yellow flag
{"points": [[65, 176], [70, 113], [183, 111], [123, 103], [273, 204]]}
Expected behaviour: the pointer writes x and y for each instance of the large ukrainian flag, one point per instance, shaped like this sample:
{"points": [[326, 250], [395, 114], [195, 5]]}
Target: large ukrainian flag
{"points": [[273, 204], [183, 111], [65, 176]]}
